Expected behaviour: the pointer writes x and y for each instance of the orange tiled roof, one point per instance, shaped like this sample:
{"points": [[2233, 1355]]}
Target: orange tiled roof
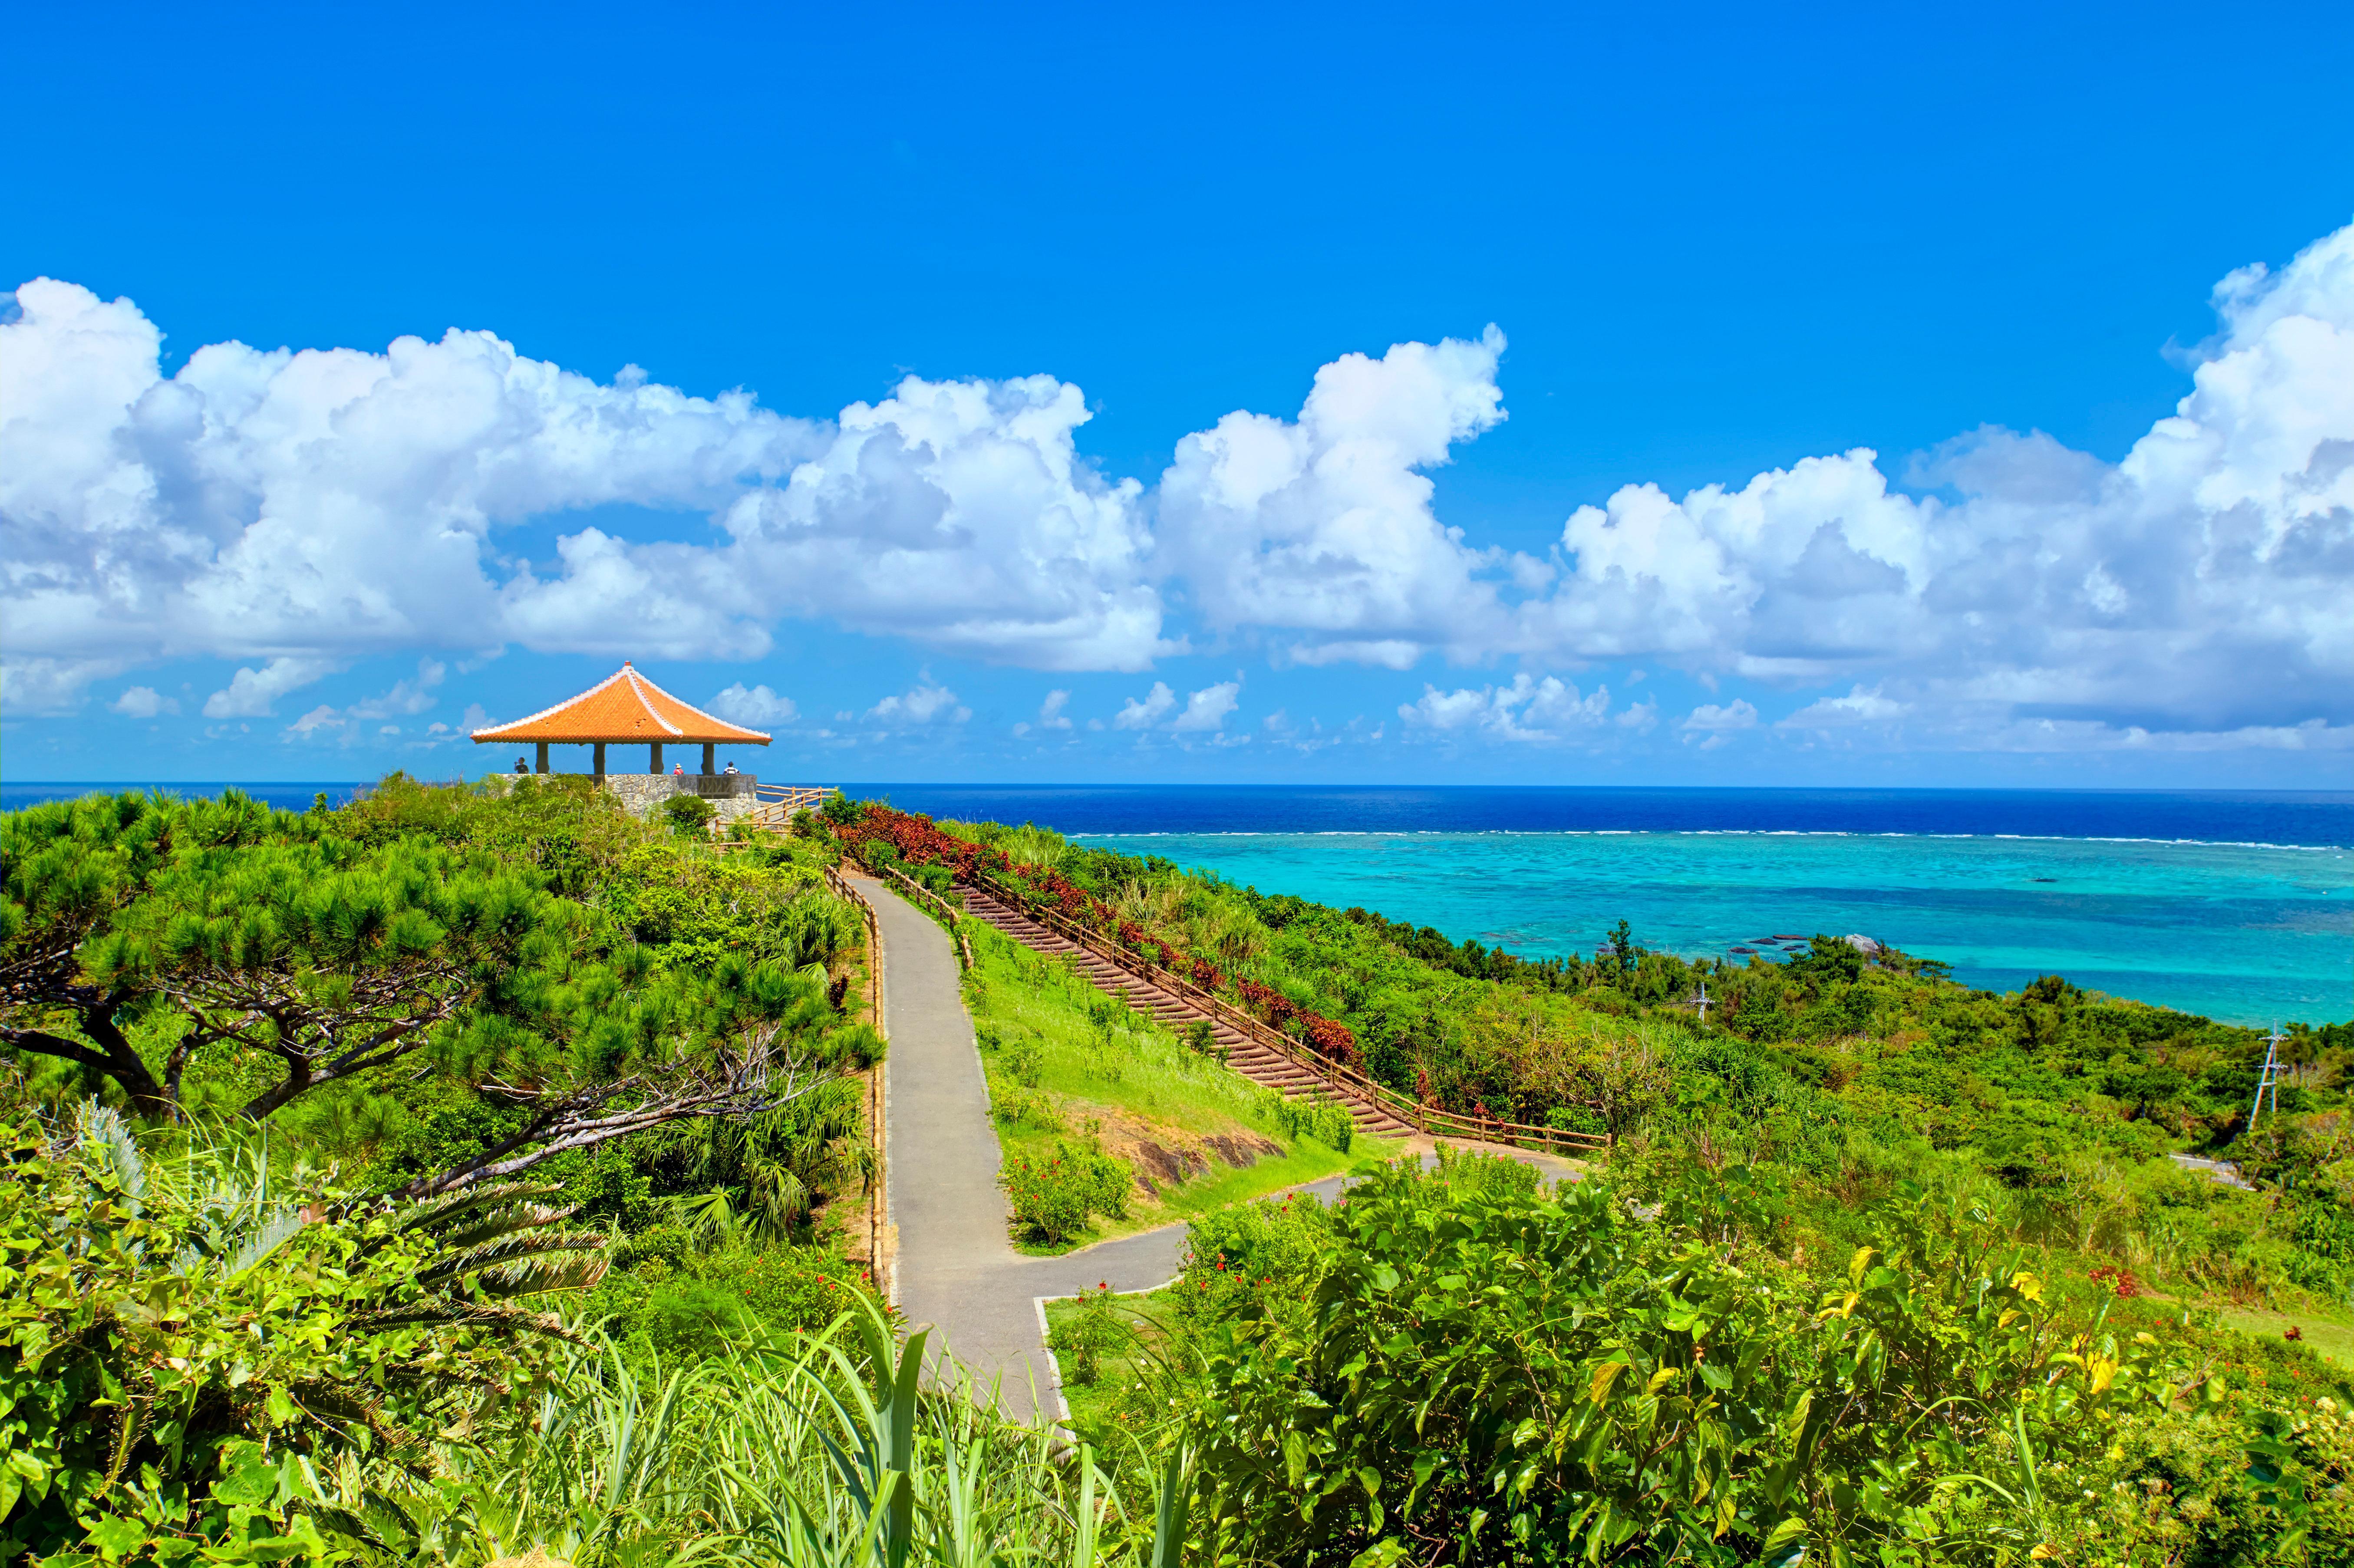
{"points": [[625, 707]]}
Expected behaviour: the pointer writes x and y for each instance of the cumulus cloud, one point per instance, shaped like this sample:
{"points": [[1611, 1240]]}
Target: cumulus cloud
{"points": [[45, 688], [406, 696], [1207, 708], [293, 511], [1739, 714], [1715, 723], [926, 702], [1144, 712], [753, 706], [1529, 709], [2200, 584], [1857, 707], [328, 503], [1321, 532], [140, 702], [250, 692], [1050, 714]]}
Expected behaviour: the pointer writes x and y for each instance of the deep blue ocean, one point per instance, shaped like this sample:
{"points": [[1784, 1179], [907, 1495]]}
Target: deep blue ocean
{"points": [[2238, 904]]}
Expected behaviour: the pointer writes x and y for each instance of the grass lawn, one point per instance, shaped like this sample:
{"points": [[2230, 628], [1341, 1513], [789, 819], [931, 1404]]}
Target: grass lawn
{"points": [[1066, 1062], [1145, 1316], [2330, 1339]]}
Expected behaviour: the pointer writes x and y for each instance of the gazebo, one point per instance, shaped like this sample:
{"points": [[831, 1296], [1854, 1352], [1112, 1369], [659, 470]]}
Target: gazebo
{"points": [[623, 709]]}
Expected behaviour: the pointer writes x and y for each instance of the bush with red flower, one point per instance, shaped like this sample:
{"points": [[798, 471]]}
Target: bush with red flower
{"points": [[917, 842]]}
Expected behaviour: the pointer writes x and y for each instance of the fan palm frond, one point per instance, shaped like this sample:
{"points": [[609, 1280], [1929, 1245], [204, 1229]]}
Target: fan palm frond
{"points": [[103, 1130], [534, 1277], [508, 1249], [465, 1201], [273, 1232]]}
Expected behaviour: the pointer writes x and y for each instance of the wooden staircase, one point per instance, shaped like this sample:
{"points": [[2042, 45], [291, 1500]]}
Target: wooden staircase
{"points": [[1260, 1064]]}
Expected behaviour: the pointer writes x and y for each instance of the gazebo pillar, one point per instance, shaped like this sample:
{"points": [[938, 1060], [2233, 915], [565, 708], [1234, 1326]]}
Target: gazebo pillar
{"points": [[542, 756], [653, 754], [709, 747], [598, 764]]}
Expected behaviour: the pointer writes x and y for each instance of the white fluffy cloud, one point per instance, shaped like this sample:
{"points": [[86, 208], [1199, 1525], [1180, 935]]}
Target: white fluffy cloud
{"points": [[927, 702], [1321, 533], [2201, 583], [1738, 713], [140, 702], [406, 696], [323, 505], [1207, 708], [1529, 709], [1857, 707], [753, 706], [1714, 725], [295, 512], [251, 693], [1051, 715], [1144, 712]]}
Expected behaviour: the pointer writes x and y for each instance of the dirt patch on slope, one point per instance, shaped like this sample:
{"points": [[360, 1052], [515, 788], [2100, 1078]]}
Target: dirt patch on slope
{"points": [[1163, 1157]]}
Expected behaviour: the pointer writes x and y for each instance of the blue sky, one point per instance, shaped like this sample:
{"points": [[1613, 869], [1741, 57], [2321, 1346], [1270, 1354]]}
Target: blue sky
{"points": [[1197, 303]]}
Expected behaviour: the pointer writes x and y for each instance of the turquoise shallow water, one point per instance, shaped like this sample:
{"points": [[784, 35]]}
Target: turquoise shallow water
{"points": [[2244, 933]]}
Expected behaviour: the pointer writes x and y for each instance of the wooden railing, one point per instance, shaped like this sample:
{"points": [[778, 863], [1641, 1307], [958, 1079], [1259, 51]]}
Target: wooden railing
{"points": [[878, 1244], [946, 910], [1343, 1080], [774, 806], [792, 797]]}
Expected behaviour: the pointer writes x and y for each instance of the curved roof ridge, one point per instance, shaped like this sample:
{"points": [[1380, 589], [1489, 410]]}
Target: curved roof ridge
{"points": [[698, 713], [638, 687], [550, 712], [637, 713]]}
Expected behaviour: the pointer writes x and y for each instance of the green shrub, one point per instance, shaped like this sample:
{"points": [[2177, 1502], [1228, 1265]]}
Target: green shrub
{"points": [[1051, 1194], [1542, 1377], [689, 814], [1576, 1118], [1081, 1341], [1239, 1260], [178, 1336], [1016, 1106], [1327, 1123], [1026, 1060], [1472, 1171]]}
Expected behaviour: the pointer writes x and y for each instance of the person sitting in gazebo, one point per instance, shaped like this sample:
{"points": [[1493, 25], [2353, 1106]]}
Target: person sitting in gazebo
{"points": [[521, 766]]}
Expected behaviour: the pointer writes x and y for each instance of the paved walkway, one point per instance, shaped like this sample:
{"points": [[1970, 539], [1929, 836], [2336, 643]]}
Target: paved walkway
{"points": [[957, 1268], [2222, 1170]]}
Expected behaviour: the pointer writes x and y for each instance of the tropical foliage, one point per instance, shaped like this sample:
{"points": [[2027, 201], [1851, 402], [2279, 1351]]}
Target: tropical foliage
{"points": [[1879, 1269], [1846, 1070]]}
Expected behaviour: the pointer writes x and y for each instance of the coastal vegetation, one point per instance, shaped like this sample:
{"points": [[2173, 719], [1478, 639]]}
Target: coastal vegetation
{"points": [[1110, 1122], [474, 1176]]}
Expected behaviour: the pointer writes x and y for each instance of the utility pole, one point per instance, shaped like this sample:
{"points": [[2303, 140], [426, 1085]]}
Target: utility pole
{"points": [[2271, 1077], [1699, 998]]}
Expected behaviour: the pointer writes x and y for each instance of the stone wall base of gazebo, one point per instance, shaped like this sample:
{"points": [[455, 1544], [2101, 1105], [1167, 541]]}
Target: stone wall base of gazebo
{"points": [[643, 794]]}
